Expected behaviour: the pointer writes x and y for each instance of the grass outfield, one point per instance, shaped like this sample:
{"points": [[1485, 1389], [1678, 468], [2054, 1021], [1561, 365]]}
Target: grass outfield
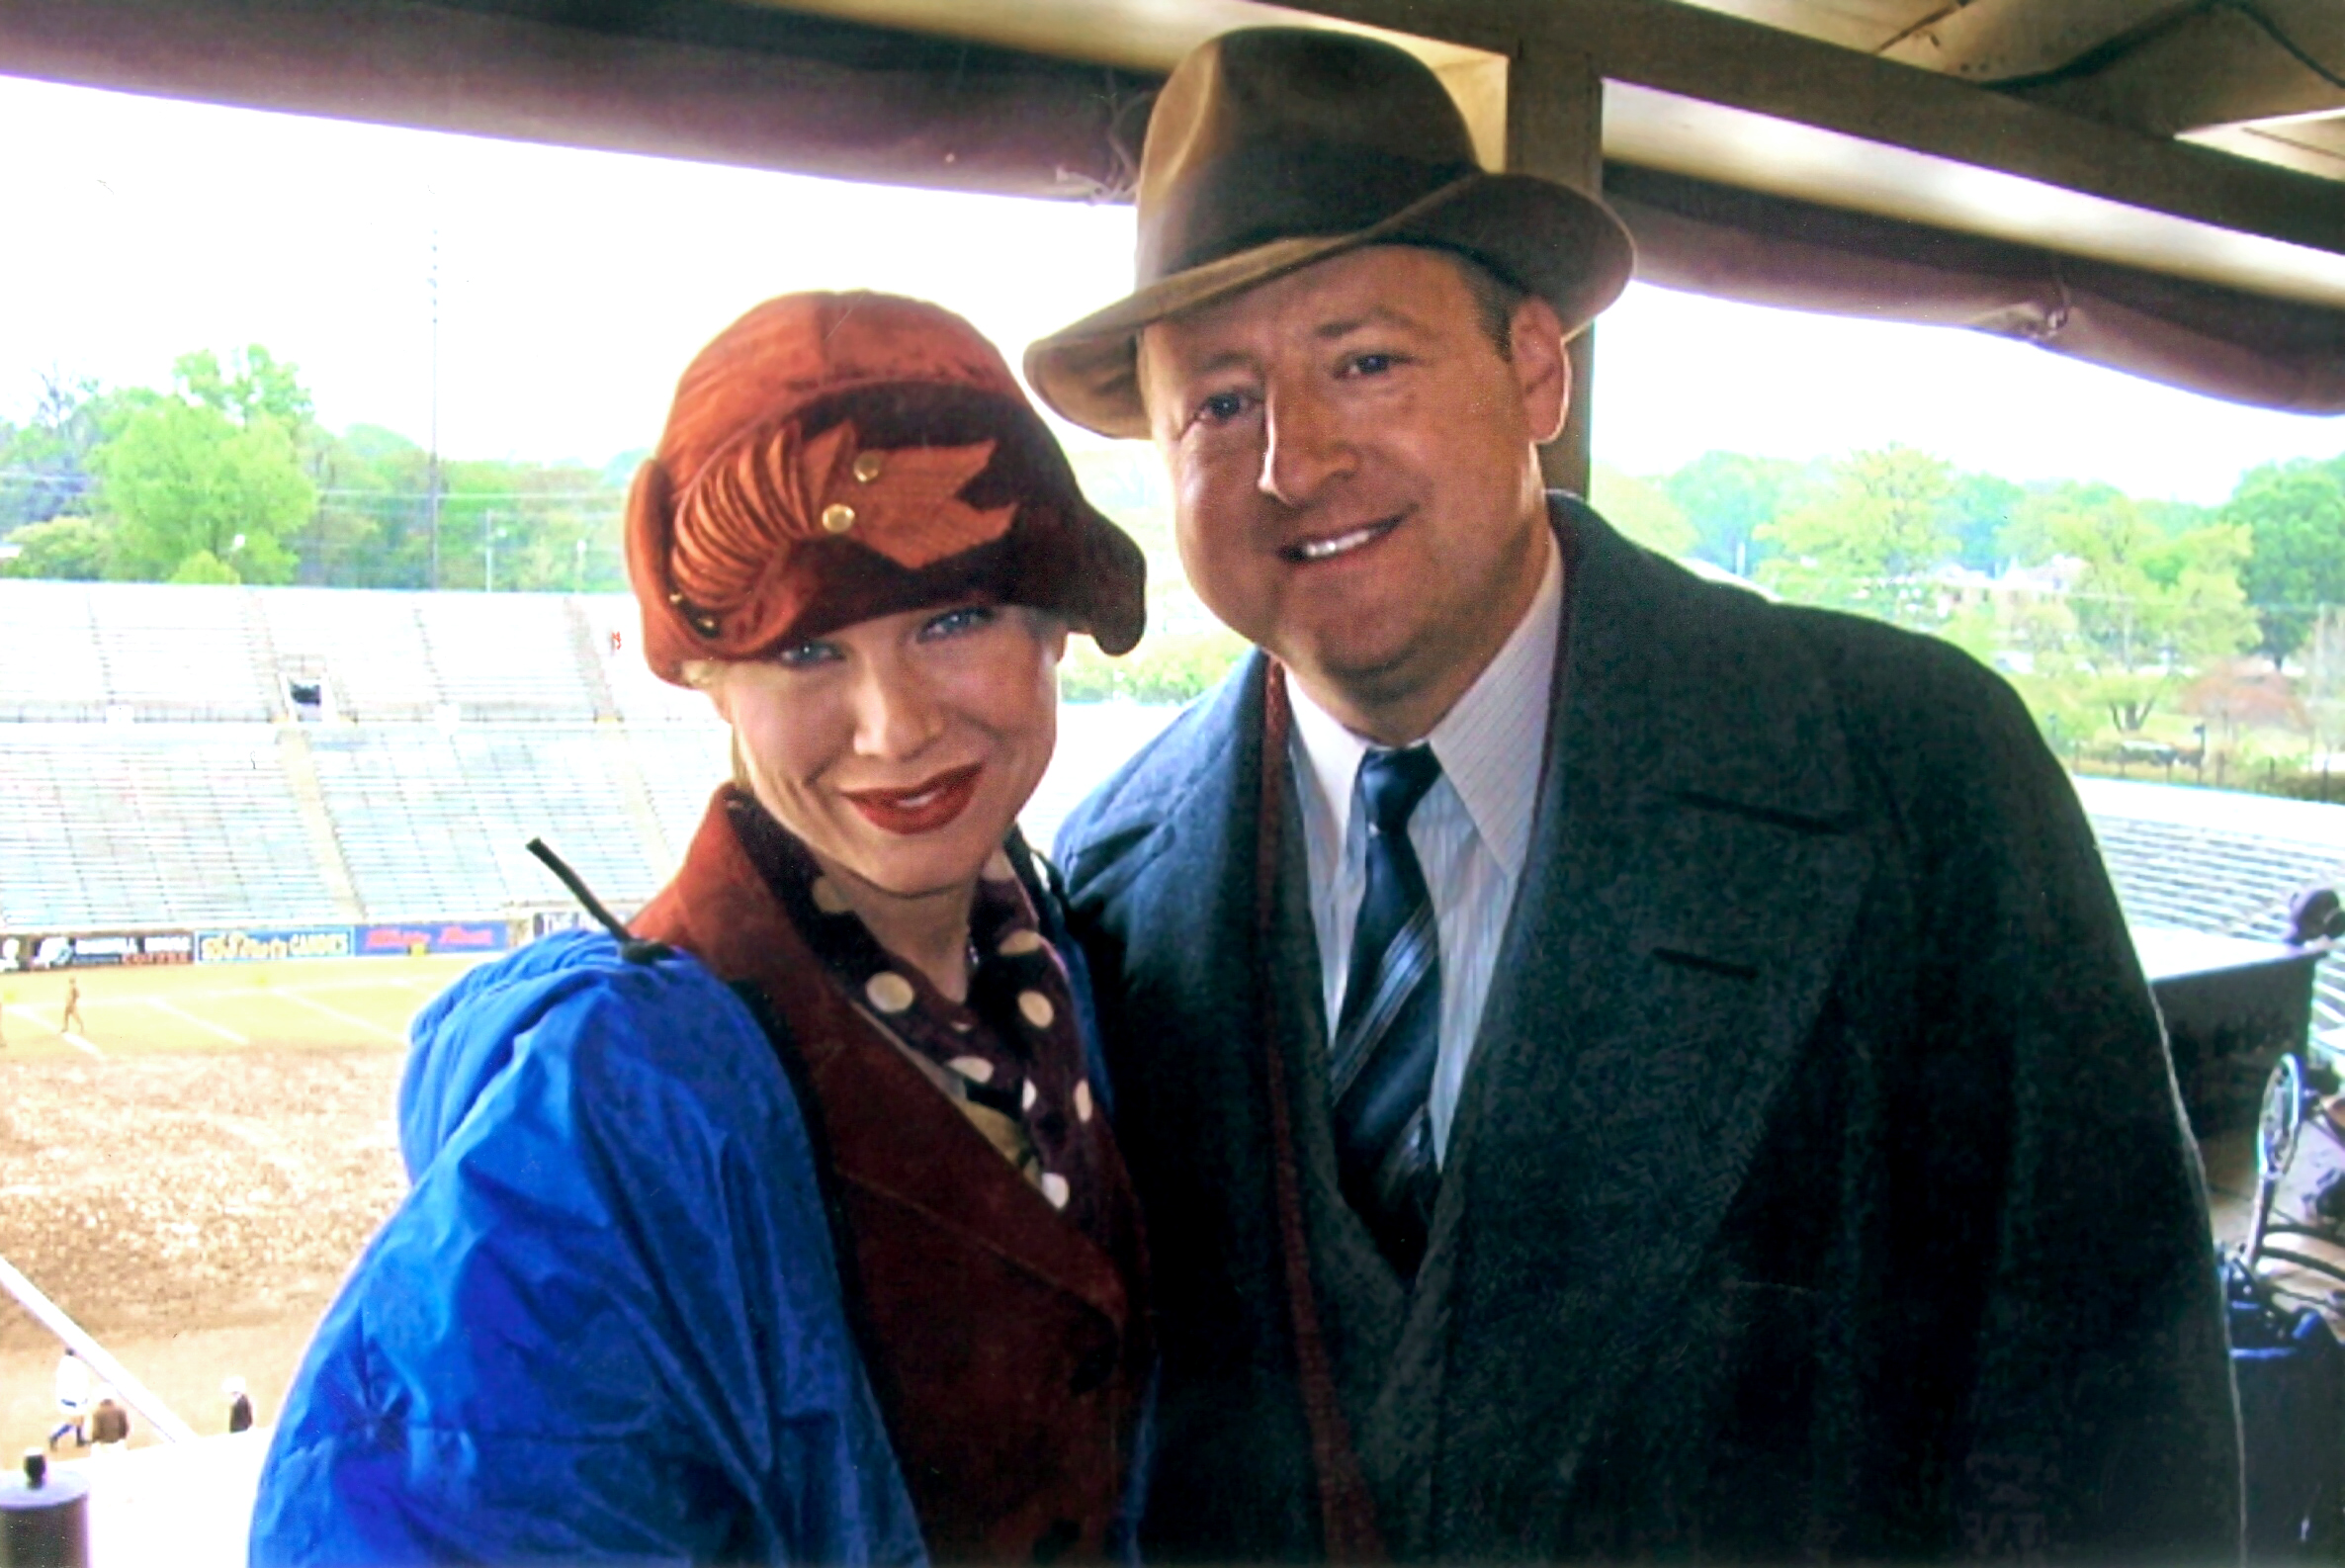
{"points": [[355, 1004]]}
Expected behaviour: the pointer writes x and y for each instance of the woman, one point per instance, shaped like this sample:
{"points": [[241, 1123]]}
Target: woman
{"points": [[791, 1227]]}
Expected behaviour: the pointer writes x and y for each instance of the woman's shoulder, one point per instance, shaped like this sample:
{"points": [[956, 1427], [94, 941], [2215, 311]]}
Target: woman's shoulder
{"points": [[577, 1009]]}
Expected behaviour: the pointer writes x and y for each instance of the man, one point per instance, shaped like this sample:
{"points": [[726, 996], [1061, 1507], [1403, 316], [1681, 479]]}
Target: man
{"points": [[74, 1401], [1616, 1067]]}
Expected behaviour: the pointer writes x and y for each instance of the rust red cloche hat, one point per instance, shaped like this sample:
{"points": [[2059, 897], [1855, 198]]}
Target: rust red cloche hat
{"points": [[834, 457]]}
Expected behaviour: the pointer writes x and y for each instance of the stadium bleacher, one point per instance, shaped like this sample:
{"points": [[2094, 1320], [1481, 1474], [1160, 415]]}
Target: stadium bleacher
{"points": [[154, 775], [682, 764], [112, 827], [2224, 863], [183, 653], [434, 822], [49, 654]]}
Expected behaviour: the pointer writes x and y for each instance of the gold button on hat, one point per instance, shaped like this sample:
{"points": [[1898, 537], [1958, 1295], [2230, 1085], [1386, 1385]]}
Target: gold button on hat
{"points": [[838, 518], [868, 466]]}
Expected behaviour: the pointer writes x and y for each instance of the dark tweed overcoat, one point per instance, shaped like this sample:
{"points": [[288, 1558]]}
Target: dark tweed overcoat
{"points": [[1819, 1190]]}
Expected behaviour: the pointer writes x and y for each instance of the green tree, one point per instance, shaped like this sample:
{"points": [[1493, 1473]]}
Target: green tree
{"points": [[204, 568], [372, 525], [2143, 596], [1641, 510], [1727, 496], [44, 463], [1869, 539], [68, 548], [1978, 510], [529, 527], [182, 479], [2150, 608], [2295, 512], [250, 388]]}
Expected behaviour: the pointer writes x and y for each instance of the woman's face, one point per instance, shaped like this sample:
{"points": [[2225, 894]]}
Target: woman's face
{"points": [[899, 750]]}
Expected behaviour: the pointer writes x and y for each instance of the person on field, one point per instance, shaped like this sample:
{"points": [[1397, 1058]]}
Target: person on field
{"points": [[73, 1385], [788, 1227], [71, 1022], [1614, 1066], [110, 1423]]}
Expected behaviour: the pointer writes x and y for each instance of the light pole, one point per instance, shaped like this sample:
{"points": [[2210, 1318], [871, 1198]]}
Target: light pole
{"points": [[431, 468]]}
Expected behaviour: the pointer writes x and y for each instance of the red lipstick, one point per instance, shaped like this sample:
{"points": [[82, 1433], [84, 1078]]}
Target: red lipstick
{"points": [[921, 808]]}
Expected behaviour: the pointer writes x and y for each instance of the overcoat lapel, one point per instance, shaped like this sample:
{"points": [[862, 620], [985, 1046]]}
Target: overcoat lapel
{"points": [[1693, 874]]}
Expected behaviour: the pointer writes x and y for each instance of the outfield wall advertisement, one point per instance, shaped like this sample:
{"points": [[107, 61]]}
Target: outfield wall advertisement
{"points": [[24, 951], [277, 945], [418, 937], [94, 949]]}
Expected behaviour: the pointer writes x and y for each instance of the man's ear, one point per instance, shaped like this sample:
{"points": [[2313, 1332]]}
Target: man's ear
{"points": [[1541, 367]]}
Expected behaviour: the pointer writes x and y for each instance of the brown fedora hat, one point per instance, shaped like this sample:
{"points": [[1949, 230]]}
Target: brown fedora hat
{"points": [[1271, 149]]}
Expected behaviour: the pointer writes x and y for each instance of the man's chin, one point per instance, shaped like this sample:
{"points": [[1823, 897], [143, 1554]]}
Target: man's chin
{"points": [[1364, 675]]}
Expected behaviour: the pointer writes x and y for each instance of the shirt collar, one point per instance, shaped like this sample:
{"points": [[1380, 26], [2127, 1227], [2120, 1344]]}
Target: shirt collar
{"points": [[1480, 741]]}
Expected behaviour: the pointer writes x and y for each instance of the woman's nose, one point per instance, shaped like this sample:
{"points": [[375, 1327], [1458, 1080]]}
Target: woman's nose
{"points": [[1304, 445], [896, 714]]}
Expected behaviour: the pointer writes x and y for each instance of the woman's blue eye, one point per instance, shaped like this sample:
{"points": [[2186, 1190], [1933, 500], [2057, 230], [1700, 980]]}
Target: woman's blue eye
{"points": [[802, 655], [952, 623]]}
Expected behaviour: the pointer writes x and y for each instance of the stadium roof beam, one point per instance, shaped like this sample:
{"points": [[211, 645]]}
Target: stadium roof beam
{"points": [[1784, 162], [687, 78]]}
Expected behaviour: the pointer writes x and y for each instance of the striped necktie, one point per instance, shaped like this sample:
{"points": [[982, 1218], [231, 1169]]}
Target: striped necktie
{"points": [[1381, 1072]]}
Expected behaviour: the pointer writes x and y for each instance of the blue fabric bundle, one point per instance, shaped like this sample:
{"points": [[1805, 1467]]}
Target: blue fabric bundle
{"points": [[606, 1324]]}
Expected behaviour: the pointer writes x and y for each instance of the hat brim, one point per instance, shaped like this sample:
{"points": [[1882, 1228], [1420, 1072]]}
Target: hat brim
{"points": [[1565, 247]]}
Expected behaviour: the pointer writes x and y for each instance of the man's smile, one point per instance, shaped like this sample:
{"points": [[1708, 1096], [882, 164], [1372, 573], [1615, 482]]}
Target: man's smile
{"points": [[1328, 546]]}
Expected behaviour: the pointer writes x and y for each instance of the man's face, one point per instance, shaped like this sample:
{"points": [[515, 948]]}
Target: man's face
{"points": [[1353, 475]]}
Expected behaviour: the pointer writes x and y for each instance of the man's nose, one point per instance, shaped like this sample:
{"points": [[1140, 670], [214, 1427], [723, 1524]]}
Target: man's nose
{"points": [[1304, 447], [896, 714]]}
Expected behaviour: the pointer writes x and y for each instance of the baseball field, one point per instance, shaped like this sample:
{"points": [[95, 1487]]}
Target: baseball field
{"points": [[190, 1165], [356, 1003]]}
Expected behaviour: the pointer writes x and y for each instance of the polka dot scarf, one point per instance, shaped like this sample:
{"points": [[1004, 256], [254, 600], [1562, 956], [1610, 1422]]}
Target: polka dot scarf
{"points": [[1013, 1046]]}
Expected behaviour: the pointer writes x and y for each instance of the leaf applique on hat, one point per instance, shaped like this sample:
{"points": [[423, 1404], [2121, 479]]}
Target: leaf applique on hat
{"points": [[749, 502], [910, 509]]}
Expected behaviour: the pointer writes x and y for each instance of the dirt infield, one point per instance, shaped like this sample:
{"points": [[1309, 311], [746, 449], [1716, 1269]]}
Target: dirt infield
{"points": [[192, 1180]]}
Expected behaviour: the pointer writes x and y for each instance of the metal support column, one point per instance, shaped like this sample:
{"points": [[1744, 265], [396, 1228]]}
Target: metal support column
{"points": [[1555, 129]]}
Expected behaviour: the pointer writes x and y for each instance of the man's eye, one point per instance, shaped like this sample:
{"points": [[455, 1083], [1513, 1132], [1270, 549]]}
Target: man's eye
{"points": [[1370, 364], [953, 623], [1221, 409]]}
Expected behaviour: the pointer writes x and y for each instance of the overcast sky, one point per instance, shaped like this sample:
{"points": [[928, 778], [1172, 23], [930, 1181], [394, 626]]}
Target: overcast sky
{"points": [[573, 285]]}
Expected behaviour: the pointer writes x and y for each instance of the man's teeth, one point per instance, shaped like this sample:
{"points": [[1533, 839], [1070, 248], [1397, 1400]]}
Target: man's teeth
{"points": [[1320, 549]]}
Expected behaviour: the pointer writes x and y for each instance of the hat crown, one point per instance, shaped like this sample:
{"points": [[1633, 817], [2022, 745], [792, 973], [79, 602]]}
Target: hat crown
{"points": [[791, 351], [1270, 132]]}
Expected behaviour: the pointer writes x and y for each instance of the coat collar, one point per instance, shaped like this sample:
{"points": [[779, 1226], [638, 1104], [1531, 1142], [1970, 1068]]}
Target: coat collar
{"points": [[886, 1128]]}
